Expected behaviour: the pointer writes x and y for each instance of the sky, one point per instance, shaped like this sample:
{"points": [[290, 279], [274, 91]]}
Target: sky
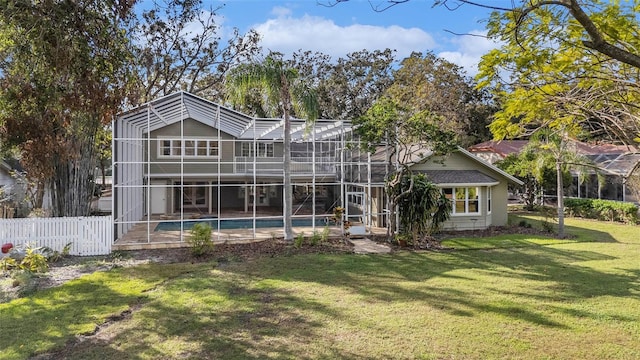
{"points": [[287, 26]]}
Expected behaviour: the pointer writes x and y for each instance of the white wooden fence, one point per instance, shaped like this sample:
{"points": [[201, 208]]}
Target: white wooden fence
{"points": [[87, 235]]}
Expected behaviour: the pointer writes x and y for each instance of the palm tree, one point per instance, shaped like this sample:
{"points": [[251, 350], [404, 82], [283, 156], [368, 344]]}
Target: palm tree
{"points": [[282, 92], [556, 149]]}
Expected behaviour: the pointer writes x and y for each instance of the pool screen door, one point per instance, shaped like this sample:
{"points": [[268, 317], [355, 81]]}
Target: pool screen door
{"points": [[356, 212]]}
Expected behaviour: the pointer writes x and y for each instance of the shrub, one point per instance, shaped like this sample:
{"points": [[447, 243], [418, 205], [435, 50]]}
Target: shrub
{"points": [[8, 263], [54, 255], [34, 261], [299, 240], [579, 207], [315, 238], [325, 234], [603, 209], [200, 239], [524, 224]]}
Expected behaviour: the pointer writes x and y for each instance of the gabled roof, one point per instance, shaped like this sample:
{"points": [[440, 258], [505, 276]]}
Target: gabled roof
{"points": [[179, 106], [509, 177]]}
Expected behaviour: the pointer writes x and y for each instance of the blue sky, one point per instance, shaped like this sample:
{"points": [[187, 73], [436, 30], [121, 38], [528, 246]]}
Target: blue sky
{"points": [[287, 26]]}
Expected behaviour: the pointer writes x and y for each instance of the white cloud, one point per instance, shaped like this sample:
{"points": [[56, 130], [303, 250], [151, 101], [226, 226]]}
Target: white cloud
{"points": [[281, 11], [469, 50], [287, 34]]}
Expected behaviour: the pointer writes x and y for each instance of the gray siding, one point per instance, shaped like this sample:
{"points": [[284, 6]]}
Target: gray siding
{"points": [[206, 165], [498, 216]]}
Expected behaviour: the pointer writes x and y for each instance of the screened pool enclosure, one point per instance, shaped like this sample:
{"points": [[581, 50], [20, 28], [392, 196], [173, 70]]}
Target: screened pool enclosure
{"points": [[182, 159]]}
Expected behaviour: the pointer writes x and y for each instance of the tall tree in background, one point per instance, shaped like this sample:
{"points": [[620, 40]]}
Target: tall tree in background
{"points": [[180, 47], [354, 83], [348, 86], [283, 94], [64, 72], [429, 83]]}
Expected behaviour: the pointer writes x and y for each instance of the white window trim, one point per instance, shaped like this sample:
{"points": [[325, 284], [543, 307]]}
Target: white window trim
{"points": [[489, 200], [262, 153], [161, 139], [466, 200]]}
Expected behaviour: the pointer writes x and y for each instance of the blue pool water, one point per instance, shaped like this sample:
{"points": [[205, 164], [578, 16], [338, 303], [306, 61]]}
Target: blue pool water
{"points": [[236, 224]]}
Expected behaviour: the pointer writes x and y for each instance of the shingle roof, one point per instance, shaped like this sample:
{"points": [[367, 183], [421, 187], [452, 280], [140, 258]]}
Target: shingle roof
{"points": [[459, 177]]}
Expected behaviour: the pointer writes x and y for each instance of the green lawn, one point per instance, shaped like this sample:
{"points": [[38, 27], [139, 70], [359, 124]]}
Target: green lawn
{"points": [[515, 297]]}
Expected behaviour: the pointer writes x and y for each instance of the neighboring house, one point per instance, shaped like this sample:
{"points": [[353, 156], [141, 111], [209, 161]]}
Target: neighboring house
{"points": [[181, 158], [8, 189], [615, 162]]}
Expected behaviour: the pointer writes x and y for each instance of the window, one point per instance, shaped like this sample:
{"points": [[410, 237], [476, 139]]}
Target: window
{"points": [[262, 149], [489, 200], [190, 148], [464, 200]]}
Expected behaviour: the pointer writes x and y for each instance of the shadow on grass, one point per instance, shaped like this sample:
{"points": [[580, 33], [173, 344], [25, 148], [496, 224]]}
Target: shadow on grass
{"points": [[581, 234], [52, 318], [218, 316], [385, 278]]}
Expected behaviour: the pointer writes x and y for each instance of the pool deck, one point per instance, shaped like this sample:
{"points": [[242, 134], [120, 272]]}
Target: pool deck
{"points": [[144, 237]]}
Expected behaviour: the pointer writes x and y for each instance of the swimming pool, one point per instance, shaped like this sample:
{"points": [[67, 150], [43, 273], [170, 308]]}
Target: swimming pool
{"points": [[237, 224]]}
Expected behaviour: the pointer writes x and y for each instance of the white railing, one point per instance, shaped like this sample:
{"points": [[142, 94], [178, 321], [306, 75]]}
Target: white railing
{"points": [[87, 235], [299, 165]]}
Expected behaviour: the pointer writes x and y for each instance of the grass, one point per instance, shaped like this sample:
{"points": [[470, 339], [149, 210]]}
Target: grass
{"points": [[516, 297]]}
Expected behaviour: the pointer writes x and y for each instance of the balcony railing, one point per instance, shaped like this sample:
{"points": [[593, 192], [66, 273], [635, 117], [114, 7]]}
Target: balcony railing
{"points": [[273, 165]]}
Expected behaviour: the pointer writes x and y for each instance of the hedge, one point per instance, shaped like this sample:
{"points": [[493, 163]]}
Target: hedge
{"points": [[602, 209]]}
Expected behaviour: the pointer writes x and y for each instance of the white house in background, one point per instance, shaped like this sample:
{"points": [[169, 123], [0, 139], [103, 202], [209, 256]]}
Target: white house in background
{"points": [[181, 158]]}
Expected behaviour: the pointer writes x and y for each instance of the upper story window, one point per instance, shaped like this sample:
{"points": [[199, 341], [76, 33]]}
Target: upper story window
{"points": [[261, 149], [191, 147], [465, 200]]}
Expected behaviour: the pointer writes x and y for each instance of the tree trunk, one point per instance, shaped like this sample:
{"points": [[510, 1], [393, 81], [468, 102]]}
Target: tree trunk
{"points": [[288, 191], [560, 197]]}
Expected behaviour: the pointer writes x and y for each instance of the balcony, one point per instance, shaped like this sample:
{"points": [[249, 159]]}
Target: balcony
{"points": [[273, 165]]}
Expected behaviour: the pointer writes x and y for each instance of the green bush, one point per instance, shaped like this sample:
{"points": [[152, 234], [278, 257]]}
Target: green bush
{"points": [[299, 240], [326, 232], [200, 239], [8, 263], [315, 238], [602, 210], [34, 261], [524, 224], [579, 207], [54, 255]]}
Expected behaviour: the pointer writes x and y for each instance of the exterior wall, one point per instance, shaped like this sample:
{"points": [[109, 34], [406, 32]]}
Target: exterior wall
{"points": [[192, 128], [499, 194]]}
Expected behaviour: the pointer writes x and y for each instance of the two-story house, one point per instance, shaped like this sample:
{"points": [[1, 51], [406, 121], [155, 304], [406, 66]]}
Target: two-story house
{"points": [[182, 159]]}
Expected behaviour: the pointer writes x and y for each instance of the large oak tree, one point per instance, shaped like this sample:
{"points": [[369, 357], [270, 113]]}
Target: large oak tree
{"points": [[64, 72]]}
